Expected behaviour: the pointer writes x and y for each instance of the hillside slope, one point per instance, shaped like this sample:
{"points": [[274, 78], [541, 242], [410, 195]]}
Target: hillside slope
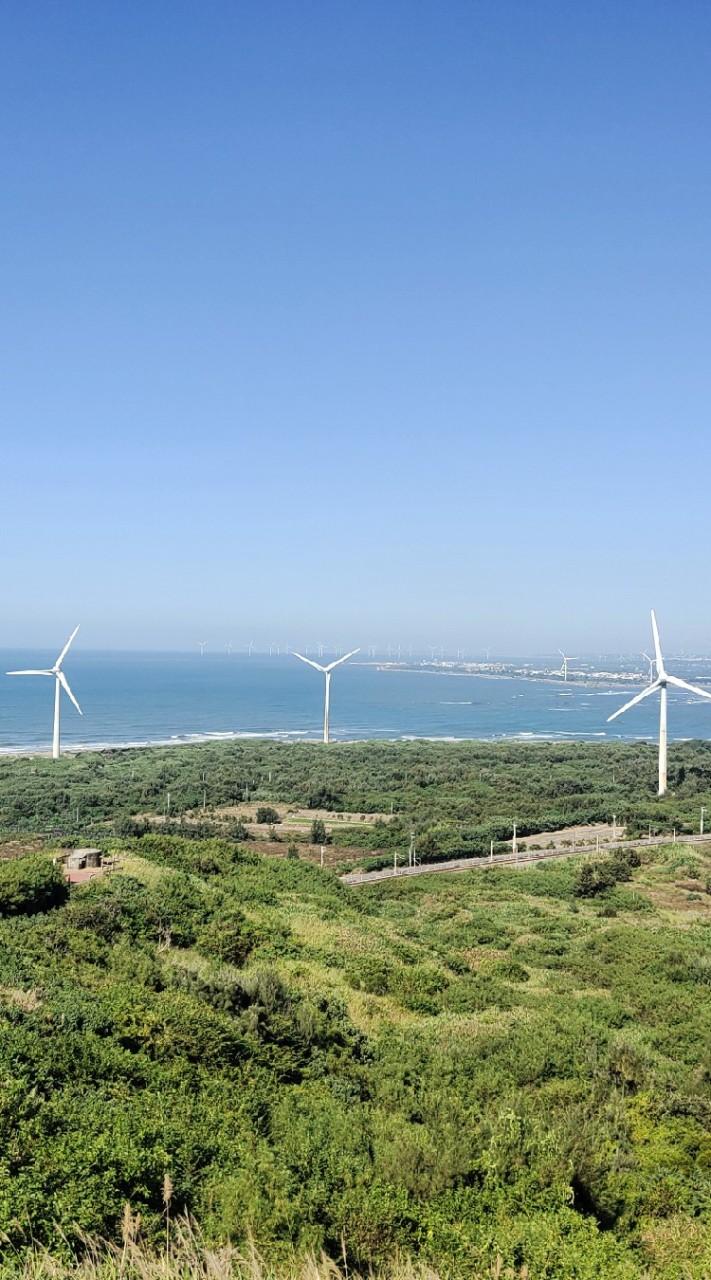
{"points": [[513, 1065]]}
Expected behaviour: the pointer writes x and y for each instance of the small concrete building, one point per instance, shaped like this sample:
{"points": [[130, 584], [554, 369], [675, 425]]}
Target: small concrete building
{"points": [[78, 859]]}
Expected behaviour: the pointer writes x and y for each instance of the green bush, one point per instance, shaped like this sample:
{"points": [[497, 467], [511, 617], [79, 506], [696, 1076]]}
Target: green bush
{"points": [[229, 937], [318, 833], [267, 815], [594, 878], [31, 884]]}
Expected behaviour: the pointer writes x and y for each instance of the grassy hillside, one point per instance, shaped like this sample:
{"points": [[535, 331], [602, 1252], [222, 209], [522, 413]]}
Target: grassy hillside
{"points": [[506, 1070]]}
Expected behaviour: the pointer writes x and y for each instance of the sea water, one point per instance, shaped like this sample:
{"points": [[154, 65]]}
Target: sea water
{"points": [[143, 698]]}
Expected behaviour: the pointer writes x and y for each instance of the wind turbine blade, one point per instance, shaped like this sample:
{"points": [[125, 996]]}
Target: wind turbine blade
{"points": [[65, 685], [657, 645], [692, 688], [29, 673], [65, 650], [338, 661], [651, 688], [315, 665]]}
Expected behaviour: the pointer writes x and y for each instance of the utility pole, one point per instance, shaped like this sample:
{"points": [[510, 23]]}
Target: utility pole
{"points": [[411, 850], [514, 845], [614, 826], [167, 805], [491, 851], [701, 822], [322, 853]]}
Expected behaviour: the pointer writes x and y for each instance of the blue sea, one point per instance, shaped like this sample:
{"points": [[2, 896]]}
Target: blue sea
{"points": [[141, 698]]}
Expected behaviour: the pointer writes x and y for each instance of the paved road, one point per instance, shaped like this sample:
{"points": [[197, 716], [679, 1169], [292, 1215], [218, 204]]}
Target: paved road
{"points": [[511, 859]]}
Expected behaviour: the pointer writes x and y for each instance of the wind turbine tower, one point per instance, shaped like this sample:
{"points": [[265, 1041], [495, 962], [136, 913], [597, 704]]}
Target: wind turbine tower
{"points": [[564, 668], [60, 682], [663, 679], [327, 672]]}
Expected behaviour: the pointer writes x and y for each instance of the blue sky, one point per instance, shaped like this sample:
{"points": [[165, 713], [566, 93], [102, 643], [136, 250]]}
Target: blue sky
{"points": [[355, 321]]}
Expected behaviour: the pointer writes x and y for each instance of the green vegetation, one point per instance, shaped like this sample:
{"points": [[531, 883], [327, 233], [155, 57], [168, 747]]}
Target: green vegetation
{"points": [[595, 877], [456, 797], [459, 1068], [503, 1073], [30, 885], [266, 813]]}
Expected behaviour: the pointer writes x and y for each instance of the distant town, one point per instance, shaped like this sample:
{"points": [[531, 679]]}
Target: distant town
{"points": [[583, 674]]}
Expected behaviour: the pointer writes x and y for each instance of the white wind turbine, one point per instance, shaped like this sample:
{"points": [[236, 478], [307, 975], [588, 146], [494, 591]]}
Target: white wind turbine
{"points": [[203, 644], [327, 672], [564, 668], [661, 682], [60, 682], [651, 665]]}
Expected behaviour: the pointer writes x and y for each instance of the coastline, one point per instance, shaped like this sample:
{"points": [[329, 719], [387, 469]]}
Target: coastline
{"points": [[296, 737], [134, 706]]}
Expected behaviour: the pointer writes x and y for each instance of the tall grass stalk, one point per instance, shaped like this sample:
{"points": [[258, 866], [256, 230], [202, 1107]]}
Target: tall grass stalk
{"points": [[189, 1257]]}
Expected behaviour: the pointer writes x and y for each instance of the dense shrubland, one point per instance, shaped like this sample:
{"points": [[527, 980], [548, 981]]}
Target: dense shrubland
{"points": [[457, 797], [462, 1069]]}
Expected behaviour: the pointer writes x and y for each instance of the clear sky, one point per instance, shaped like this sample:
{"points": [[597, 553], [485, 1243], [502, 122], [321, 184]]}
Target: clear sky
{"points": [[360, 321]]}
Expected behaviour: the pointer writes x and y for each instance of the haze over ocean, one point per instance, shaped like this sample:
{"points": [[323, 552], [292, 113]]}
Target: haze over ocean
{"points": [[135, 698]]}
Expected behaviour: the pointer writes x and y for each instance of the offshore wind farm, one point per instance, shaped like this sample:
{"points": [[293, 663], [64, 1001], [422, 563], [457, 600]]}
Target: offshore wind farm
{"points": [[140, 699]]}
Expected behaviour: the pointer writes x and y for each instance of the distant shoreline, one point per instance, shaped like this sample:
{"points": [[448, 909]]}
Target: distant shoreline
{"points": [[586, 682], [524, 738]]}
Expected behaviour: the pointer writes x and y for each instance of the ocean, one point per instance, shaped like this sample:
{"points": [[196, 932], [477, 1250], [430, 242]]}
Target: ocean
{"points": [[135, 699]]}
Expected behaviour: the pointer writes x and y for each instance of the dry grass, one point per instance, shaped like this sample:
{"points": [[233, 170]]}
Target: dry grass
{"points": [[187, 1256], [17, 848], [26, 999]]}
